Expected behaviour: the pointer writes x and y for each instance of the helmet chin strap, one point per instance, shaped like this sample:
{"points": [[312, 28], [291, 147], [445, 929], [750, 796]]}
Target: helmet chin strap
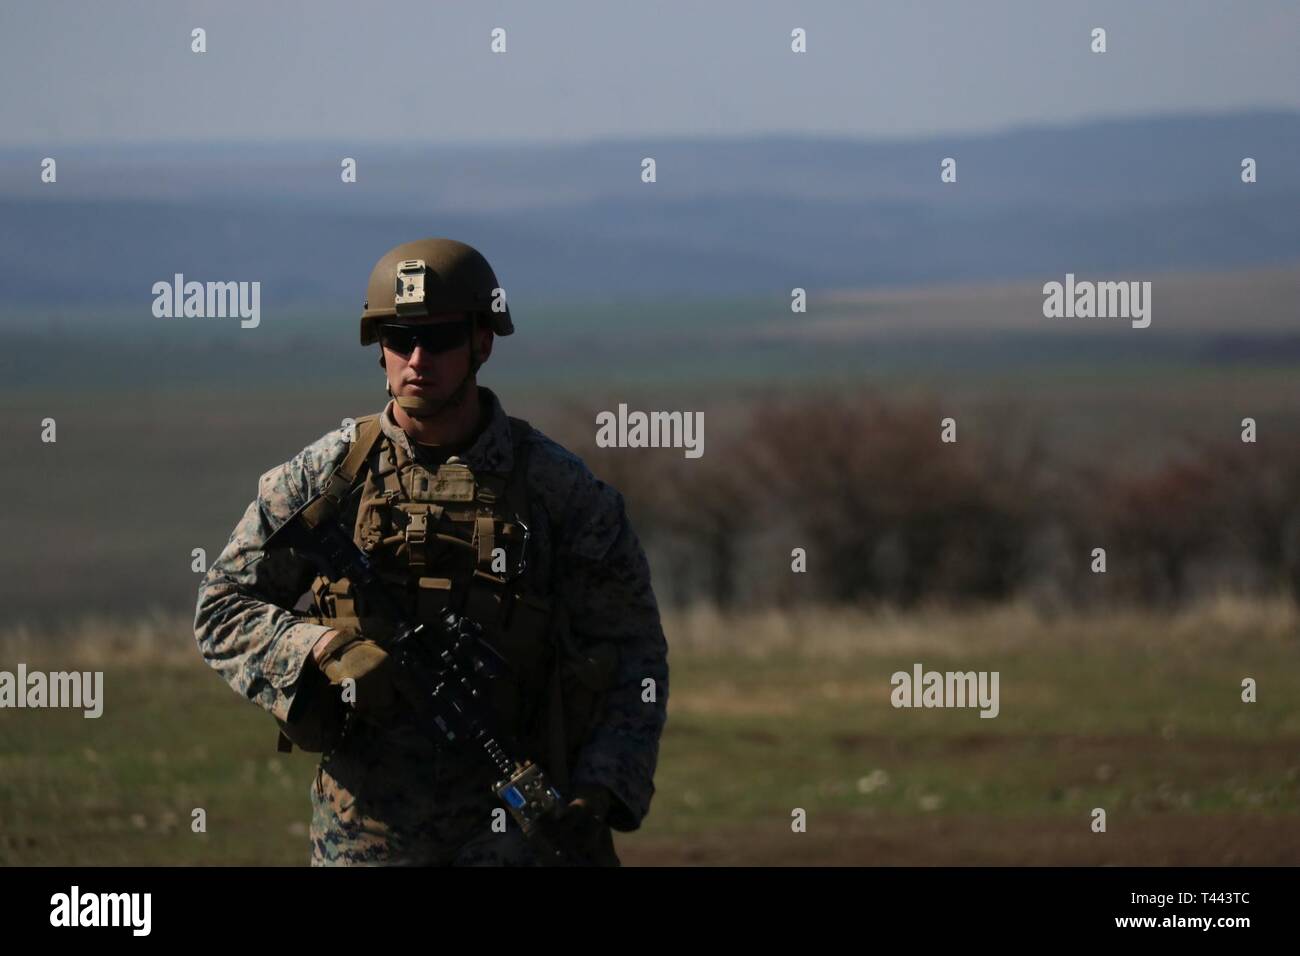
{"points": [[419, 407]]}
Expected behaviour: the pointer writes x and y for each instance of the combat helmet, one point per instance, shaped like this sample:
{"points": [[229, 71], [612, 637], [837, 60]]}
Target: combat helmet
{"points": [[430, 277]]}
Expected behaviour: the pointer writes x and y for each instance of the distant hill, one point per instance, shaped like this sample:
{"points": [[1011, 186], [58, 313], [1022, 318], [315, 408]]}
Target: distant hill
{"points": [[751, 217]]}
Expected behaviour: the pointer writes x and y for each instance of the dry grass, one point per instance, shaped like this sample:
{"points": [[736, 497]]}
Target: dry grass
{"points": [[846, 633], [154, 639], [818, 633]]}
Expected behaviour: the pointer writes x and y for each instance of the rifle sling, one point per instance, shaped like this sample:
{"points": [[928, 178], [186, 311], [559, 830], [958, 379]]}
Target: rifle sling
{"points": [[342, 480]]}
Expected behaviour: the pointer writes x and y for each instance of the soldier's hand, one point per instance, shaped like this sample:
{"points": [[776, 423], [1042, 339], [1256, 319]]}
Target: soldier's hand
{"points": [[349, 655], [581, 826], [588, 808]]}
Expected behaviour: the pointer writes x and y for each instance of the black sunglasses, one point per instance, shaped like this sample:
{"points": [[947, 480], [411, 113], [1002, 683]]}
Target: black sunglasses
{"points": [[437, 337]]}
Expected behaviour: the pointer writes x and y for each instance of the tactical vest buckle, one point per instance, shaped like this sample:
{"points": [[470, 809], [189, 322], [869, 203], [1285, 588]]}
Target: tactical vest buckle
{"points": [[416, 529]]}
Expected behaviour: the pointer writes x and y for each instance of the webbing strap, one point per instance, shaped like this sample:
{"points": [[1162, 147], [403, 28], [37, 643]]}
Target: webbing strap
{"points": [[343, 477], [485, 537], [341, 480]]}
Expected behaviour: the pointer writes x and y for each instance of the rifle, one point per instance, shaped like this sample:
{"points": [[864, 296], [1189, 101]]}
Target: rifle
{"points": [[439, 670]]}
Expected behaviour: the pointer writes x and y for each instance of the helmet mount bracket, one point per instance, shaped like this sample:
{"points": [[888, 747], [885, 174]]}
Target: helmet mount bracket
{"points": [[408, 291]]}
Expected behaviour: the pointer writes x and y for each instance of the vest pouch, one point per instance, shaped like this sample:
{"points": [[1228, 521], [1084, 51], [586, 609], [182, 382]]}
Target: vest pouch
{"points": [[374, 523], [433, 595], [336, 606], [333, 599]]}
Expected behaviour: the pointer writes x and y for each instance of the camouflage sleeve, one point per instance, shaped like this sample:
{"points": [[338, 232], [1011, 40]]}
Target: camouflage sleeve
{"points": [[243, 623], [605, 583]]}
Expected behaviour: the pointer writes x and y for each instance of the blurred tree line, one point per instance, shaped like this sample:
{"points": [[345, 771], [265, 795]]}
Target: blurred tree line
{"points": [[886, 512]]}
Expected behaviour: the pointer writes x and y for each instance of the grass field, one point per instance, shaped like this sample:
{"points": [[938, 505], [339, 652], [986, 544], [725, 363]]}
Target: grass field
{"points": [[1132, 712]]}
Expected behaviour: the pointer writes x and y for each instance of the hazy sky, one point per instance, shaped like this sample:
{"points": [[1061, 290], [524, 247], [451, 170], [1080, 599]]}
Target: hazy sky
{"points": [[122, 71]]}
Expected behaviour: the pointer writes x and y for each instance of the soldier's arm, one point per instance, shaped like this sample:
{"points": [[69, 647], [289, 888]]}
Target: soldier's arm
{"points": [[605, 583], [244, 623]]}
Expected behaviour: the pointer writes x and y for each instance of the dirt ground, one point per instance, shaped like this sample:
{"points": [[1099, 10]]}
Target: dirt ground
{"points": [[1166, 840]]}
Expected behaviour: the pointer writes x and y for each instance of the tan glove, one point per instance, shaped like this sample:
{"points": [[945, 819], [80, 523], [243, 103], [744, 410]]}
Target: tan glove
{"points": [[349, 655]]}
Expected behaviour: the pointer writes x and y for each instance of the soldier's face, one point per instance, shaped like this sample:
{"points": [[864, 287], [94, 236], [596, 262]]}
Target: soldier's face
{"points": [[424, 371]]}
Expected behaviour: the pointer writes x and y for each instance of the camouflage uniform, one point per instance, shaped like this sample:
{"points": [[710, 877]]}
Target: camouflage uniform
{"points": [[389, 795]]}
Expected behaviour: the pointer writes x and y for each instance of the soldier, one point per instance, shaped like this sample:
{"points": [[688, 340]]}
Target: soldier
{"points": [[458, 506]]}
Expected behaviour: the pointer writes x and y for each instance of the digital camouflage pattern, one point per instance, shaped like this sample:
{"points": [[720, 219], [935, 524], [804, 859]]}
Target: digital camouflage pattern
{"points": [[389, 795]]}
